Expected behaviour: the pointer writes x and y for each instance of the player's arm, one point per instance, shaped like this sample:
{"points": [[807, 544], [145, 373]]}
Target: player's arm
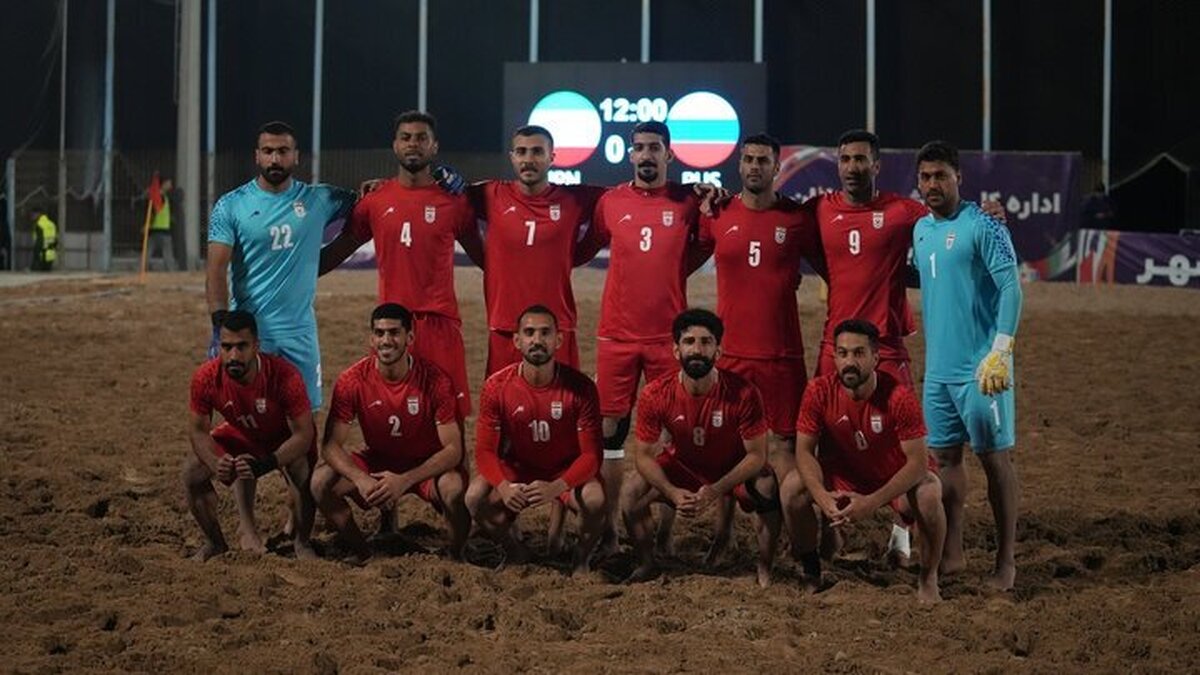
{"points": [[441, 461], [994, 373], [356, 231], [644, 458], [916, 462], [811, 474], [466, 231], [304, 432], [487, 451], [701, 245], [200, 434], [216, 286], [593, 234], [747, 468], [335, 454]]}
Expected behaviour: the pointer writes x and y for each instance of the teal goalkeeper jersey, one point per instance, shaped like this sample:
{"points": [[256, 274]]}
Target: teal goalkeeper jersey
{"points": [[970, 290], [276, 241]]}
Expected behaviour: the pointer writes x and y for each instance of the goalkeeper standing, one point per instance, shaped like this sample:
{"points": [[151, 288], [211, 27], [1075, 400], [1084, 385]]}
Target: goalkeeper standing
{"points": [[971, 303]]}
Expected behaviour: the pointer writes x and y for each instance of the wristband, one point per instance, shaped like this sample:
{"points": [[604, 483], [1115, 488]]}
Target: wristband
{"points": [[1002, 343]]}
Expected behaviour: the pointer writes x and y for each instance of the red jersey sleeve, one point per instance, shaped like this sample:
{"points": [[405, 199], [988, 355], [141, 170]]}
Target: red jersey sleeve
{"points": [[442, 396], [591, 239], [342, 405], [293, 395], [752, 423], [587, 421], [812, 406], [487, 435], [703, 243], [810, 244], [649, 415], [466, 232], [203, 387], [358, 225], [906, 413]]}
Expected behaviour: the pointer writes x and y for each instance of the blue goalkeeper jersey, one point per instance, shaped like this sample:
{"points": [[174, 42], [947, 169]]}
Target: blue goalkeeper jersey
{"points": [[276, 241], [970, 290]]}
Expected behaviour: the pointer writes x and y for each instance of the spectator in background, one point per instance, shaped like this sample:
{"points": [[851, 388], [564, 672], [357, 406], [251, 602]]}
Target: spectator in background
{"points": [[161, 243], [45, 241], [1097, 212]]}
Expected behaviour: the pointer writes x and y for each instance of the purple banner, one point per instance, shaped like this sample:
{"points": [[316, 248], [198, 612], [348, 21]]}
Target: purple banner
{"points": [[1107, 256], [1039, 190]]}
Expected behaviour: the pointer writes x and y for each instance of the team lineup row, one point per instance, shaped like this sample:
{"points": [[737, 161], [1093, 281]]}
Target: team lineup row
{"points": [[528, 234]]}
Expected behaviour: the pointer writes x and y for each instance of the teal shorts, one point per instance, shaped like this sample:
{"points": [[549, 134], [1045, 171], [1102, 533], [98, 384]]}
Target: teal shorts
{"points": [[957, 413], [304, 352]]}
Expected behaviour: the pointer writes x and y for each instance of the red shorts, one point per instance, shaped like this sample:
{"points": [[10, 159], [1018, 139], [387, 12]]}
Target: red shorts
{"points": [[781, 383], [426, 489], [229, 440], [440, 340], [501, 351], [837, 480], [683, 477], [897, 368], [619, 366]]}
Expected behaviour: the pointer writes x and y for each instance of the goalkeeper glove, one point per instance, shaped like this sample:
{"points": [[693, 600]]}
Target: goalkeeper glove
{"points": [[214, 344], [994, 373], [450, 180]]}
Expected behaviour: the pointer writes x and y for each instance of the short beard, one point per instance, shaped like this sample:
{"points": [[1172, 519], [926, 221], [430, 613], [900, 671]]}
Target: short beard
{"points": [[696, 367]]}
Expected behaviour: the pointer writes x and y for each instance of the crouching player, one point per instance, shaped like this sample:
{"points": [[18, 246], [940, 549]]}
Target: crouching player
{"points": [[716, 445], [405, 406], [268, 425], [873, 453], [538, 440]]}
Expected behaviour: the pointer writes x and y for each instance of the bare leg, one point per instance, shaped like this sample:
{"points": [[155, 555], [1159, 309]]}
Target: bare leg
{"points": [[662, 535], [722, 531], [202, 502], [925, 503], [304, 507], [458, 519], [248, 536], [612, 471], [494, 519], [954, 495], [768, 526], [800, 518], [556, 530], [1002, 495], [636, 497], [588, 500], [331, 491]]}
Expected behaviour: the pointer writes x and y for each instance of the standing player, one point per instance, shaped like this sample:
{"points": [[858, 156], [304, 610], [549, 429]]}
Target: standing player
{"points": [[971, 304], [716, 444], [267, 235], [865, 236], [537, 440], [872, 453], [406, 409], [414, 223], [268, 425], [758, 241], [650, 228], [534, 233]]}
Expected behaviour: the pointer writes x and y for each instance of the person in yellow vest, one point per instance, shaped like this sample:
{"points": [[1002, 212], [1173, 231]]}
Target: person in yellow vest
{"points": [[160, 230], [45, 242]]}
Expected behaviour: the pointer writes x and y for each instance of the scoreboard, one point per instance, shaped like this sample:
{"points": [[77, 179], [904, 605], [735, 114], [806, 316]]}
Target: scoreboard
{"points": [[591, 109]]}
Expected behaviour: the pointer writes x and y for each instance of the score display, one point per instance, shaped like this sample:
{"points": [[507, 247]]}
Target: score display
{"points": [[591, 109]]}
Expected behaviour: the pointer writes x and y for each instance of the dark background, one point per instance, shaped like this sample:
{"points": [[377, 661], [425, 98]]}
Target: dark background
{"points": [[1046, 64]]}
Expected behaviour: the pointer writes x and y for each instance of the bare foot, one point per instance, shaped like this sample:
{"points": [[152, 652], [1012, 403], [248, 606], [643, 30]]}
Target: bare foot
{"points": [[713, 556], [897, 560], [1004, 577], [304, 551], [609, 545], [928, 593], [810, 585], [952, 565], [250, 540], [207, 551], [831, 542], [516, 553], [764, 575], [643, 572]]}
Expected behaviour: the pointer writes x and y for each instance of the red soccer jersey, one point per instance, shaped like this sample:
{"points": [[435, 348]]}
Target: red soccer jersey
{"points": [[648, 233], [861, 439], [414, 231], [530, 246], [866, 251], [399, 420], [538, 433], [758, 255], [260, 409], [708, 432]]}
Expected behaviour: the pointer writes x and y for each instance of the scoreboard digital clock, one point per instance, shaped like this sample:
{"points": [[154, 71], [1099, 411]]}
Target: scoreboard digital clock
{"points": [[591, 108]]}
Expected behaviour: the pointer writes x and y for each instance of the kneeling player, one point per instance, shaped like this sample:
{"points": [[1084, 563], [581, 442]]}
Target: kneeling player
{"points": [[873, 453], [268, 425], [537, 440], [717, 444], [405, 406]]}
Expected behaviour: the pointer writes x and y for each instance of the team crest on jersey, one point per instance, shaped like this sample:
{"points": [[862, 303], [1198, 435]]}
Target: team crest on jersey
{"points": [[555, 212], [556, 410], [668, 218], [414, 405], [430, 214], [717, 419], [949, 241], [260, 404], [877, 220], [877, 423], [780, 235], [298, 207]]}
